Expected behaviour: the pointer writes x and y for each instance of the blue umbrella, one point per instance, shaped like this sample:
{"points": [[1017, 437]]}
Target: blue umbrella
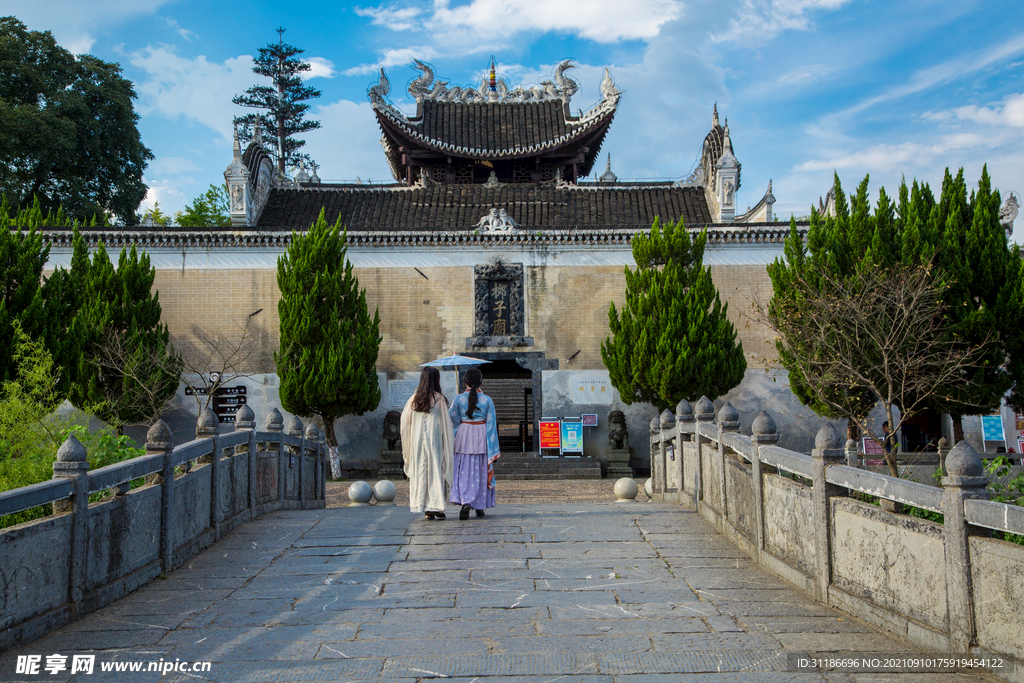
{"points": [[454, 362]]}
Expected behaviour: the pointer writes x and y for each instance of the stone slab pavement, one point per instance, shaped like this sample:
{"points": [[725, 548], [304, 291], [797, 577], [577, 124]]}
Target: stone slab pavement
{"points": [[580, 592]]}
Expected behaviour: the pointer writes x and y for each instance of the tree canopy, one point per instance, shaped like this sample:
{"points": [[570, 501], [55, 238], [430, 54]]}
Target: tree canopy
{"points": [[208, 209], [327, 361], [70, 135], [284, 102], [673, 338]]}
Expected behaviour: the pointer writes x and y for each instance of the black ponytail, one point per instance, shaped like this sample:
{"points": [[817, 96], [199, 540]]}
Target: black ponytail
{"points": [[473, 380]]}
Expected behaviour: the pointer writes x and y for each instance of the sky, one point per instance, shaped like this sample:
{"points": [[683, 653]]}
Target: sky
{"points": [[887, 88]]}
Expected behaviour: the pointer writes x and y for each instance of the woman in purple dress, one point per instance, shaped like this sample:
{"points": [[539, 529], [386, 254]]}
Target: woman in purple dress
{"points": [[476, 447]]}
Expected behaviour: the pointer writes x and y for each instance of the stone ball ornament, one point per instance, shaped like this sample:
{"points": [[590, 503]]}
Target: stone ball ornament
{"points": [[649, 488], [359, 492], [384, 491], [625, 490]]}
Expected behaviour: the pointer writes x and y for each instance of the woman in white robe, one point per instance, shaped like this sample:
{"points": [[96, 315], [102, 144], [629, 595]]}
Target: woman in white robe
{"points": [[428, 443]]}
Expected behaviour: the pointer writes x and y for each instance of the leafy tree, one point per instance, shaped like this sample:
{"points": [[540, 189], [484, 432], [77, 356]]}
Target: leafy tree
{"points": [[206, 210], [69, 129], [672, 339], [284, 102], [157, 216], [329, 343], [837, 247], [129, 369]]}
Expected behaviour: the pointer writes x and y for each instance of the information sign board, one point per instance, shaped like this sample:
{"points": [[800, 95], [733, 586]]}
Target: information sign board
{"points": [[992, 427], [871, 447], [550, 434], [572, 435], [400, 391], [590, 420]]}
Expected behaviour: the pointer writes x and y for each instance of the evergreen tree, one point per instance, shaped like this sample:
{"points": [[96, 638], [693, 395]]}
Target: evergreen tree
{"points": [[22, 257], [672, 339], [329, 343], [284, 102], [837, 247], [128, 369], [63, 329]]}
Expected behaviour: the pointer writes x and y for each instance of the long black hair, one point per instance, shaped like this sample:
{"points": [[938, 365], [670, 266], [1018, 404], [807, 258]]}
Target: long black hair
{"points": [[473, 379], [430, 384]]}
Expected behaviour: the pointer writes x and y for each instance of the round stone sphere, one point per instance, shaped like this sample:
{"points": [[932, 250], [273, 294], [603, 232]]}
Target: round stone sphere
{"points": [[649, 488], [384, 491], [626, 489], [359, 492]]}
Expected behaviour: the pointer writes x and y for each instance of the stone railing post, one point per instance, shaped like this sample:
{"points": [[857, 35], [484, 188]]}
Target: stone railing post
{"points": [[158, 442], [684, 428], [321, 465], [943, 449], [728, 421], [965, 479], [827, 451], [245, 421], [206, 428], [294, 453], [657, 447], [704, 411], [275, 425], [312, 438], [72, 464], [853, 458], [670, 450], [659, 460], [763, 433]]}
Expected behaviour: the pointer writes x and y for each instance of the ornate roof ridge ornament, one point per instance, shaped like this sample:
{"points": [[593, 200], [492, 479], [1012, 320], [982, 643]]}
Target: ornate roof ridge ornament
{"points": [[608, 177], [493, 88]]}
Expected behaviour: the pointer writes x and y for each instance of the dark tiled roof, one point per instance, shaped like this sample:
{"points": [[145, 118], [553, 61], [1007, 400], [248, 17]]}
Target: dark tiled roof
{"points": [[460, 207]]}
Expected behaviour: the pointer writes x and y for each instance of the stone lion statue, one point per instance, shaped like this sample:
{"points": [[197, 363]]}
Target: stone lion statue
{"points": [[393, 430], [618, 435]]}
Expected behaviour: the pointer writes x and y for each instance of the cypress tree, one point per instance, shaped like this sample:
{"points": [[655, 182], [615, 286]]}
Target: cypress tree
{"points": [[128, 368], [22, 257], [63, 329], [673, 338], [327, 363]]}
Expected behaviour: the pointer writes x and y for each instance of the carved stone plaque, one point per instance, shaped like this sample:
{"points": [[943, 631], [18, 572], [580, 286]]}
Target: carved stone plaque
{"points": [[499, 306]]}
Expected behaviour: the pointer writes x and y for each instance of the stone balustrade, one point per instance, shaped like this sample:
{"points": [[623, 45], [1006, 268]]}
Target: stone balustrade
{"points": [[949, 587], [86, 555]]}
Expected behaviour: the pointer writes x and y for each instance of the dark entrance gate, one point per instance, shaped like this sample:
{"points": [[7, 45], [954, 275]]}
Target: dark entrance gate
{"points": [[510, 386]]}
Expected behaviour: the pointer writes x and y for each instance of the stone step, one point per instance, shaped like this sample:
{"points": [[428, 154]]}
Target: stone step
{"points": [[557, 476]]}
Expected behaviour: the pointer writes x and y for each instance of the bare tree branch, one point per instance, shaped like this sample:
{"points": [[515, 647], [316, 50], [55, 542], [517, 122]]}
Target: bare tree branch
{"points": [[881, 331]]}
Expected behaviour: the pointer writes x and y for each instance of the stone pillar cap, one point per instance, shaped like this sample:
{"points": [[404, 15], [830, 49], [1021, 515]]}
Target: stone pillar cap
{"points": [[159, 436], [763, 425], [668, 420], [71, 450]]}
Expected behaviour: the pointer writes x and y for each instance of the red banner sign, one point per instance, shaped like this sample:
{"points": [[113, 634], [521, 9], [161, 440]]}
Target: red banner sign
{"points": [[550, 434]]}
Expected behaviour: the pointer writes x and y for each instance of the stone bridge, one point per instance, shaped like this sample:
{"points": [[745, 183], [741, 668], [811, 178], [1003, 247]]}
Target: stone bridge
{"points": [[227, 559]]}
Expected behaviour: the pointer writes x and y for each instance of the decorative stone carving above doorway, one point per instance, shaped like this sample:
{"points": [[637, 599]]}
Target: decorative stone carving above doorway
{"points": [[500, 315]]}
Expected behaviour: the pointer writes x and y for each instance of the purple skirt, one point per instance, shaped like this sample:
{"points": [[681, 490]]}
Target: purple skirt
{"points": [[469, 485]]}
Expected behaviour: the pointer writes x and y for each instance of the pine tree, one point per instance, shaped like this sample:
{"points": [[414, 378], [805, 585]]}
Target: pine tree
{"points": [[22, 257], [284, 102], [63, 329], [128, 369], [329, 344], [672, 340]]}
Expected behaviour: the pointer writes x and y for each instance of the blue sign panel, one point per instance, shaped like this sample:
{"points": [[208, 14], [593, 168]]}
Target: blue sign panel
{"points": [[992, 427], [572, 435]]}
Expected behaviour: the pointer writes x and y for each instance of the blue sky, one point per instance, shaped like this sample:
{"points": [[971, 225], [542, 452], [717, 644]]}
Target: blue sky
{"points": [[808, 86]]}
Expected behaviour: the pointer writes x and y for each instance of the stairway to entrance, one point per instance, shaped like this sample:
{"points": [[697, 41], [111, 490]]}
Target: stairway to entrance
{"points": [[519, 466]]}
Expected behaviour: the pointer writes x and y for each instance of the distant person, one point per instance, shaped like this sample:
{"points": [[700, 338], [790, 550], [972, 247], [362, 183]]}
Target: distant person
{"points": [[427, 446], [888, 439], [476, 447]]}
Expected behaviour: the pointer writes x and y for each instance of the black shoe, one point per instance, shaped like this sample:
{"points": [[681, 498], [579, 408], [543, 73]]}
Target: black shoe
{"points": [[440, 515], [429, 515], [479, 513], [464, 512]]}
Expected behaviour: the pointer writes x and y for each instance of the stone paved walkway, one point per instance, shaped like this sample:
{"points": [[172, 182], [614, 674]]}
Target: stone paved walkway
{"points": [[575, 592]]}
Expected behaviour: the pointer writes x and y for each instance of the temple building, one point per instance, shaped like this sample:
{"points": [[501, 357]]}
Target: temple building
{"points": [[490, 242]]}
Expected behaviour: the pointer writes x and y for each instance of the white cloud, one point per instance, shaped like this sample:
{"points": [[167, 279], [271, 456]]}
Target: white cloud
{"points": [[73, 22], [167, 192], [393, 57], [194, 89], [190, 36], [319, 68], [170, 166], [760, 20], [803, 76], [394, 18], [1008, 114], [347, 144]]}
